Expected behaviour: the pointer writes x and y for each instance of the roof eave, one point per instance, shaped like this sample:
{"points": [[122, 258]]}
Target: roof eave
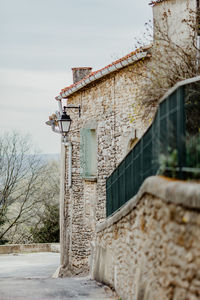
{"points": [[130, 60], [154, 3]]}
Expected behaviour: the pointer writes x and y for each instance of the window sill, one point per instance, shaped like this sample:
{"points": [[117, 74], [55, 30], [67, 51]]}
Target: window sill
{"points": [[90, 178]]}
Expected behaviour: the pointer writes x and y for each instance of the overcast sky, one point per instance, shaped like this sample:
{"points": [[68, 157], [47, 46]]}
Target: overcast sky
{"points": [[41, 40]]}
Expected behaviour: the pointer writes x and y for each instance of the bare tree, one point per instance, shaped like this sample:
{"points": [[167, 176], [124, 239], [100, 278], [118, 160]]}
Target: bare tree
{"points": [[23, 178], [172, 60], [33, 221]]}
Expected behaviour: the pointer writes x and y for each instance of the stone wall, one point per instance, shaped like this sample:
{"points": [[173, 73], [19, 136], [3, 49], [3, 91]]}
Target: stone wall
{"points": [[29, 248], [107, 106], [150, 249]]}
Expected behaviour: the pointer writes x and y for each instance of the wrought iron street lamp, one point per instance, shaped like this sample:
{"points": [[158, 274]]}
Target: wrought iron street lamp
{"points": [[62, 120], [64, 123]]}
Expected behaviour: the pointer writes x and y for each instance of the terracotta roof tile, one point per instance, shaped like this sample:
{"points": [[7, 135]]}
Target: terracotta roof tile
{"points": [[153, 3], [110, 65]]}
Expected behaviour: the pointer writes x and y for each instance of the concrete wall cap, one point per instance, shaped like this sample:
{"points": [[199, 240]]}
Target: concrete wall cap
{"points": [[29, 248]]}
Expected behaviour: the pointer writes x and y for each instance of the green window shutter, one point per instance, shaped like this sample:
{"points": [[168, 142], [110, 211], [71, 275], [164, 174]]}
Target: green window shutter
{"points": [[88, 152]]}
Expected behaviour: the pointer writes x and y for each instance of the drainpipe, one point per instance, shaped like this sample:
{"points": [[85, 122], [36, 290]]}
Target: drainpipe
{"points": [[59, 99], [64, 236], [69, 145], [66, 143], [63, 260]]}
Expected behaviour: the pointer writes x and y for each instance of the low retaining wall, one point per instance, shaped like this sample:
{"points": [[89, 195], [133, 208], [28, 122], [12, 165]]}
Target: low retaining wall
{"points": [[28, 248], [150, 249]]}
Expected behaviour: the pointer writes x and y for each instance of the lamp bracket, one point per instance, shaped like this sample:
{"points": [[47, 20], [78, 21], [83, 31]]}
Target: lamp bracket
{"points": [[74, 107]]}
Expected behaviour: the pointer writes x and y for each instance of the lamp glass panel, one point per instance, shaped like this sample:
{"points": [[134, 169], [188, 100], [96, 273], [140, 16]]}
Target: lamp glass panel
{"points": [[65, 126]]}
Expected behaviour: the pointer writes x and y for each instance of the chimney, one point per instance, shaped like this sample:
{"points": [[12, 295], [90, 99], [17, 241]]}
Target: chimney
{"points": [[80, 73]]}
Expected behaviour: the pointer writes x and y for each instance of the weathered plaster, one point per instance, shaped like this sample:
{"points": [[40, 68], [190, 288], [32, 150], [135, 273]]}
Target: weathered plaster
{"points": [[179, 13]]}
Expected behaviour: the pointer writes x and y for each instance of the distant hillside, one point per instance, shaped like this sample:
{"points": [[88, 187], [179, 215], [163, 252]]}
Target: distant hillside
{"points": [[50, 156]]}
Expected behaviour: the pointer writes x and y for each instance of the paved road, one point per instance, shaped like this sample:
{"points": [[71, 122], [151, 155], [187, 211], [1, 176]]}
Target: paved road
{"points": [[29, 277], [31, 265]]}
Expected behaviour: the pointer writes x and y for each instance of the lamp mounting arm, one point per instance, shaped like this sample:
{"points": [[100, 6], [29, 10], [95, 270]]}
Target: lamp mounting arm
{"points": [[74, 107]]}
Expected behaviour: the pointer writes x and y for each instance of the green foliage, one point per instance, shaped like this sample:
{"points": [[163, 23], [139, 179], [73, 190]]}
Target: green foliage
{"points": [[2, 219], [193, 151], [169, 162], [48, 229], [3, 241], [192, 109], [2, 222], [193, 156]]}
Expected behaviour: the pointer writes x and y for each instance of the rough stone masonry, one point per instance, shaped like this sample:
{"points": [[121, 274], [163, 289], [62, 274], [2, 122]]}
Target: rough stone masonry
{"points": [[150, 249], [106, 106]]}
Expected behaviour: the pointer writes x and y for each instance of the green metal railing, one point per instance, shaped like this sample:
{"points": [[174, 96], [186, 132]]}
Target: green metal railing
{"points": [[166, 139]]}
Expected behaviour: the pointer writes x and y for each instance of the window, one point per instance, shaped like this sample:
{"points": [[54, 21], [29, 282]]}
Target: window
{"points": [[88, 153]]}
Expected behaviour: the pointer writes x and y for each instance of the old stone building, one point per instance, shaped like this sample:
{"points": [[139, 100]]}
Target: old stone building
{"points": [[101, 136], [179, 14]]}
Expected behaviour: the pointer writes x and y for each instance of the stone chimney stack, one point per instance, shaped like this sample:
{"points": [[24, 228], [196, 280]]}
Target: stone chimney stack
{"points": [[80, 73]]}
